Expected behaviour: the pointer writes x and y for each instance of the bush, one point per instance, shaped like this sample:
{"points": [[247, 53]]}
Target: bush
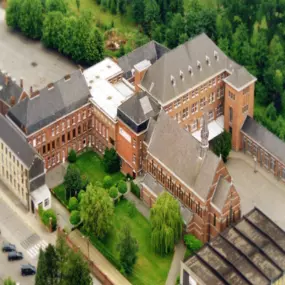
{"points": [[113, 192], [72, 181], [107, 182], [111, 161], [74, 217], [131, 209], [46, 215], [72, 156], [84, 182], [122, 187], [222, 145], [192, 243], [73, 204], [80, 195], [135, 189]]}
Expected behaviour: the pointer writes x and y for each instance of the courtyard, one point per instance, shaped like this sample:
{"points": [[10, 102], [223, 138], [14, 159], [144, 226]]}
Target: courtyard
{"points": [[22, 57]]}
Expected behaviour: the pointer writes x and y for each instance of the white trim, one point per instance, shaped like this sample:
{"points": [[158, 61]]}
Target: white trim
{"points": [[102, 111], [240, 88]]}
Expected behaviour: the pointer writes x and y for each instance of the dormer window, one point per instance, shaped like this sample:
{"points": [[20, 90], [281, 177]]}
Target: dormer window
{"points": [[190, 70], [208, 60], [181, 75], [216, 55], [172, 79], [199, 65]]}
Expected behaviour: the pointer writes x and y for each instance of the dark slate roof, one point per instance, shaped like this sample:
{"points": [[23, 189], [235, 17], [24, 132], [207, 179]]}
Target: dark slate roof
{"points": [[179, 151], [265, 138], [16, 142], [250, 252], [140, 107], [66, 96], [221, 193], [150, 183], [157, 79], [11, 91], [151, 51]]}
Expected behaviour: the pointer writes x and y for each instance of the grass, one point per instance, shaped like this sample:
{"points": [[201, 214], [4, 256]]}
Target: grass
{"points": [[149, 268], [89, 164]]}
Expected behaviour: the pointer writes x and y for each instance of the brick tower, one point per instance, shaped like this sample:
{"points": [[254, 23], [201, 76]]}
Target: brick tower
{"points": [[239, 103]]}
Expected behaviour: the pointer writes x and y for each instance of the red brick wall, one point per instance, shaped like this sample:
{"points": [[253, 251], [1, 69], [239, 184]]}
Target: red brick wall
{"points": [[4, 108]]}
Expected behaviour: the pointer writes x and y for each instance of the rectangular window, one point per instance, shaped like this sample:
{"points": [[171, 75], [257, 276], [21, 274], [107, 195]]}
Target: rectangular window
{"points": [[185, 98], [68, 123], [44, 149], [134, 159], [73, 133], [63, 139], [48, 147], [53, 145], [231, 114], [52, 131], [140, 144], [34, 142], [194, 108], [79, 130], [185, 113], [46, 202], [211, 115], [39, 140], [73, 120], [272, 164], [57, 129], [194, 125], [62, 126], [107, 134], [134, 143], [212, 97], [79, 118], [232, 95], [202, 102], [84, 115], [219, 78], [68, 136], [177, 103]]}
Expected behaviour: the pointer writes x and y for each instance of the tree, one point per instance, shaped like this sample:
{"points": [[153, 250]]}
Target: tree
{"points": [[72, 156], [222, 145], [48, 217], [113, 6], [94, 47], [73, 204], [63, 252], [223, 44], [177, 27], [151, 15], [113, 192], [56, 5], [9, 281], [122, 187], [78, 5], [51, 263], [53, 28], [111, 161], [74, 217], [42, 270], [80, 195], [122, 6], [271, 112], [107, 182], [166, 224], [138, 10], [72, 181], [96, 211], [192, 243], [31, 18], [128, 248], [13, 12]]}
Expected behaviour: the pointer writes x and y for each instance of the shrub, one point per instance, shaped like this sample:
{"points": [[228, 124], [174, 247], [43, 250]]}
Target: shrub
{"points": [[111, 161], [74, 217], [72, 181], [122, 187], [73, 204], [135, 189], [192, 243], [132, 210], [80, 195], [46, 215], [84, 182], [72, 156], [222, 145], [113, 192], [107, 182]]}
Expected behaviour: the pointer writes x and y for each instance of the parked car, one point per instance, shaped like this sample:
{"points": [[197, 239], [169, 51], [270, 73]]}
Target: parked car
{"points": [[15, 255], [28, 269], [8, 247]]}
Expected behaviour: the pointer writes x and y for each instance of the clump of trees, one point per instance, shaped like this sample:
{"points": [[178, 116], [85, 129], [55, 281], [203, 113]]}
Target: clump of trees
{"points": [[111, 161], [222, 145], [166, 223], [192, 243], [53, 23], [61, 265], [72, 182]]}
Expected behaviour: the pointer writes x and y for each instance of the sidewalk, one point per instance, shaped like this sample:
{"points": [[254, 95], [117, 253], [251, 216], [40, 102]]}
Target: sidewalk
{"points": [[98, 259], [142, 208]]}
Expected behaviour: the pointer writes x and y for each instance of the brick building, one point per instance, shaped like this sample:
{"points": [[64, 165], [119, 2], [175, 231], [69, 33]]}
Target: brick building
{"points": [[56, 119], [21, 168], [250, 252]]}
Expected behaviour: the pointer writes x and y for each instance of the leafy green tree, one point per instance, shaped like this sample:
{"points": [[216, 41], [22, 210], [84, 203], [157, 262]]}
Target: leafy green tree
{"points": [[224, 27], [113, 6], [151, 15], [42, 270], [127, 248], [74, 217], [72, 181], [223, 44], [56, 5], [138, 7], [73, 204], [177, 27], [96, 211], [63, 252], [113, 192], [31, 18], [122, 6], [166, 224], [53, 28], [72, 156], [271, 112], [9, 281], [69, 35], [80, 195], [111, 161], [78, 5], [51, 263], [94, 47], [49, 216], [222, 145], [13, 13], [192, 243], [122, 187], [107, 182]]}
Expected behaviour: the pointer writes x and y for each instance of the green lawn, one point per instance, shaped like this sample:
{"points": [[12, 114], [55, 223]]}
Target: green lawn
{"points": [[150, 268]]}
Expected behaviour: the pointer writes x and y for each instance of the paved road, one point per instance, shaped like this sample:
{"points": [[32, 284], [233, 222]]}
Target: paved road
{"points": [[17, 55]]}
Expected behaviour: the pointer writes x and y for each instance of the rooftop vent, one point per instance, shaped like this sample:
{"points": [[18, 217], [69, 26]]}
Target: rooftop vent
{"points": [[190, 70], [199, 65], [181, 75], [216, 55], [67, 77], [172, 79], [50, 86], [208, 60]]}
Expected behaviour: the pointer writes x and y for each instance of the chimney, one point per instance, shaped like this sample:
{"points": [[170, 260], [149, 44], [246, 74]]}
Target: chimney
{"points": [[22, 82], [140, 70], [35, 94], [31, 90]]}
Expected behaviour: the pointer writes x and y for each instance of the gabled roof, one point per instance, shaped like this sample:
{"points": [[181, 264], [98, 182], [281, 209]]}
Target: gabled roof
{"points": [[250, 252], [174, 67], [65, 96], [151, 51], [221, 193], [10, 92], [15, 140], [179, 151], [264, 137]]}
